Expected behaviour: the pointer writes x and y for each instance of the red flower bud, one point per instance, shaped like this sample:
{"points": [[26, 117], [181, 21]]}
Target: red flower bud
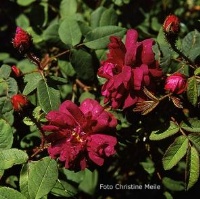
{"points": [[22, 40], [176, 83], [171, 25], [16, 71], [19, 101]]}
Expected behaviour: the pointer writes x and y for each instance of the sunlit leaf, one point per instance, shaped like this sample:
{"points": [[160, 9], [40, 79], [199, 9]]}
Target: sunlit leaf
{"points": [[191, 125], [48, 97], [192, 167], [10, 157], [173, 185], [164, 131], [6, 135], [8, 193], [192, 90], [42, 176], [175, 152]]}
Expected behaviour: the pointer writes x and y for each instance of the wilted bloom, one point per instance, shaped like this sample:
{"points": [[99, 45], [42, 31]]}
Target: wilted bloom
{"points": [[128, 68], [77, 134], [16, 71], [176, 83], [22, 40], [19, 101]]}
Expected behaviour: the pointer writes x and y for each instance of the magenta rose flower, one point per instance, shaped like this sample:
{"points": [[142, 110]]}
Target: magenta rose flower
{"points": [[128, 68], [77, 134], [176, 83]]}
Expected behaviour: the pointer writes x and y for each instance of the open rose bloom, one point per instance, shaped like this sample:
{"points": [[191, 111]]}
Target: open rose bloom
{"points": [[77, 134], [128, 68]]}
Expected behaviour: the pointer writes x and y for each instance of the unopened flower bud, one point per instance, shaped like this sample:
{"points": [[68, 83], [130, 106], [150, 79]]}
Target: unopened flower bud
{"points": [[16, 71], [19, 101], [176, 83], [22, 40], [171, 27]]}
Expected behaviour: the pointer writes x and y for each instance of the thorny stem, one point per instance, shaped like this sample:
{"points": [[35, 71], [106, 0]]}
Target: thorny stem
{"points": [[42, 144], [34, 59], [188, 60]]}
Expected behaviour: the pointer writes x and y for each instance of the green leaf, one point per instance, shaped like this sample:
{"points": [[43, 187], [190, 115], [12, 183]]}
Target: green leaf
{"points": [[89, 183], [197, 71], [50, 34], [64, 189], [173, 185], [192, 172], [96, 16], [175, 152], [86, 95], [5, 71], [66, 68], [69, 32], [25, 3], [23, 180], [3, 56], [164, 56], [42, 176], [73, 176], [11, 157], [164, 131], [191, 125], [48, 97], [108, 17], [192, 91], [3, 87], [22, 21], [148, 166], [195, 139], [6, 135], [191, 45], [167, 195], [5, 105], [12, 86], [68, 7], [22, 65], [83, 64], [99, 37], [32, 80], [8, 193]]}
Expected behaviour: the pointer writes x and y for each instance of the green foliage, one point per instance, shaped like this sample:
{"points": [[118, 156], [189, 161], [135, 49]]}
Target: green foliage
{"points": [[34, 178]]}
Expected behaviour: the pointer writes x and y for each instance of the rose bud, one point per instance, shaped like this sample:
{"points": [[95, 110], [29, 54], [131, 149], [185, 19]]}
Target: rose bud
{"points": [[176, 83], [22, 40], [16, 71], [19, 101], [171, 27]]}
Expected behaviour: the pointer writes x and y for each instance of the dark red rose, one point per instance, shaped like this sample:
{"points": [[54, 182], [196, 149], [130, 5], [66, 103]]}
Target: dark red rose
{"points": [[78, 133]]}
